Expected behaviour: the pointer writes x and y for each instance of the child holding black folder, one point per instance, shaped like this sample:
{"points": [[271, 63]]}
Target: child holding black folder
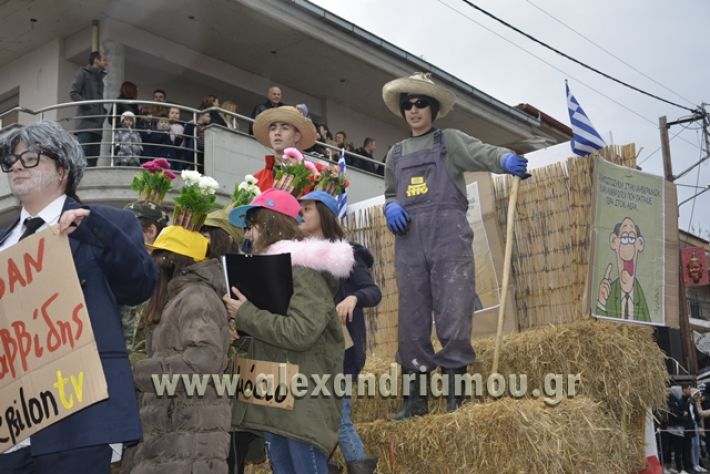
{"points": [[309, 335]]}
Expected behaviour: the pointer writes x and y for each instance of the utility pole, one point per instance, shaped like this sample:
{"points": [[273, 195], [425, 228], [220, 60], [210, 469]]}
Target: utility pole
{"points": [[684, 322]]}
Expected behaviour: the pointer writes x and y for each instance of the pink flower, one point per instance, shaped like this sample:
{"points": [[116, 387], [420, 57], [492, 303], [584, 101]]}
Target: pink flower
{"points": [[293, 154], [169, 174], [162, 163], [311, 167], [150, 166]]}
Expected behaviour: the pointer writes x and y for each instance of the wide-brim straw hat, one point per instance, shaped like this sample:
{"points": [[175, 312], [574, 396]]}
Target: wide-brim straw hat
{"points": [[289, 115], [417, 84]]}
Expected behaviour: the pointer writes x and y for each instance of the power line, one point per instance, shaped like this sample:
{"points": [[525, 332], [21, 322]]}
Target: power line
{"points": [[508, 40], [697, 181], [589, 40], [567, 56]]}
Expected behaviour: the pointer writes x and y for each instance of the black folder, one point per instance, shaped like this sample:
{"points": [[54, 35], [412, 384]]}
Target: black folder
{"points": [[265, 280]]}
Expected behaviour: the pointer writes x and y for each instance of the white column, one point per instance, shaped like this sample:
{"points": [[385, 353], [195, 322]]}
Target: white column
{"points": [[115, 52]]}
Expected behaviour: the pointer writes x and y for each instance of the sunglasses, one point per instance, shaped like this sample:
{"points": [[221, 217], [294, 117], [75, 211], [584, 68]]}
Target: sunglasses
{"points": [[419, 103], [28, 159]]}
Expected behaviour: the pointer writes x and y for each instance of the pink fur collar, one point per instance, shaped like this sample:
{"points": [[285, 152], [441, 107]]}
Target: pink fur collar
{"points": [[335, 258]]}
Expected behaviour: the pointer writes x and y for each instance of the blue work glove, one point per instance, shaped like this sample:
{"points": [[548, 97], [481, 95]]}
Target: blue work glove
{"points": [[515, 165], [397, 218]]}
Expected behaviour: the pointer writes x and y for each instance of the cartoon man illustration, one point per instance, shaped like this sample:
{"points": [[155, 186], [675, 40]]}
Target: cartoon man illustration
{"points": [[623, 297]]}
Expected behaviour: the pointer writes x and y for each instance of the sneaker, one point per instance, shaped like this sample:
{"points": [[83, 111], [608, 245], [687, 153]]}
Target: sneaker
{"points": [[699, 469]]}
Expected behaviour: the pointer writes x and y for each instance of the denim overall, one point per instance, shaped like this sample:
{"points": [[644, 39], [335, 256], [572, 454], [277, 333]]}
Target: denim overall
{"points": [[434, 263]]}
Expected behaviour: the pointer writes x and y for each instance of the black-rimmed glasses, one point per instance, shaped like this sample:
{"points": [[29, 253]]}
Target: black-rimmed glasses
{"points": [[28, 158]]}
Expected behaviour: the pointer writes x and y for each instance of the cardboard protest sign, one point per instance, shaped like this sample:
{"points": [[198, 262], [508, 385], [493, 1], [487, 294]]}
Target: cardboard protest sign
{"points": [[265, 383], [628, 245], [49, 363]]}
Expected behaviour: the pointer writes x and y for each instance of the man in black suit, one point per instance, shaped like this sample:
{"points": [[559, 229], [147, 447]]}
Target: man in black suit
{"points": [[44, 165]]}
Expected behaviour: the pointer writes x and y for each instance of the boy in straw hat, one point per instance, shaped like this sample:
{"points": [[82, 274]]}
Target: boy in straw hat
{"points": [[280, 128], [426, 208]]}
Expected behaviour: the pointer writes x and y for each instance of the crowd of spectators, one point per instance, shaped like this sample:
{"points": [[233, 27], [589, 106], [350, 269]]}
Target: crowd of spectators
{"points": [[161, 131]]}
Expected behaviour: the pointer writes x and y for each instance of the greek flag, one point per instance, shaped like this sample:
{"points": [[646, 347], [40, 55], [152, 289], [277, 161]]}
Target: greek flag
{"points": [[585, 139], [343, 198]]}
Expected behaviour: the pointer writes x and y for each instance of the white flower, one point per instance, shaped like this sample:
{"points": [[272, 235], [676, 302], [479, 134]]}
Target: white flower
{"points": [[250, 179], [255, 190], [243, 186], [208, 185], [190, 177]]}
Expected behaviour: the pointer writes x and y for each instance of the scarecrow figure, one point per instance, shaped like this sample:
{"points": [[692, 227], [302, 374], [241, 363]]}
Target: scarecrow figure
{"points": [[426, 208]]}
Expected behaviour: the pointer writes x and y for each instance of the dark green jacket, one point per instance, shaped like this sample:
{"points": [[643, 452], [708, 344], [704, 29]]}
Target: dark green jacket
{"points": [[309, 336]]}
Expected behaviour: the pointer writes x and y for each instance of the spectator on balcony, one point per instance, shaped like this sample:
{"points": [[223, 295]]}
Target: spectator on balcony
{"points": [[195, 142], [129, 145], [274, 100], [88, 84], [215, 117], [129, 91], [368, 150], [341, 141], [157, 143], [230, 120], [323, 135], [177, 138], [152, 111], [159, 95]]}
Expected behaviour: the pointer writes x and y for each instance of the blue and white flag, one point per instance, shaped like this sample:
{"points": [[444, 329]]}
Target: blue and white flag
{"points": [[343, 197], [585, 138]]}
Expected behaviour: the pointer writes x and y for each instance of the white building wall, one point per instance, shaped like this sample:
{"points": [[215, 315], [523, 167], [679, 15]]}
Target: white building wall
{"points": [[36, 75]]}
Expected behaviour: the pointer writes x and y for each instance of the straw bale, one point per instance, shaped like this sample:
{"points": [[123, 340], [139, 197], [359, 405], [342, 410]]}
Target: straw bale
{"points": [[507, 436], [618, 365]]}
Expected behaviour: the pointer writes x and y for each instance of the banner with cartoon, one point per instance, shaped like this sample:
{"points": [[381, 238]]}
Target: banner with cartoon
{"points": [[628, 264], [694, 266]]}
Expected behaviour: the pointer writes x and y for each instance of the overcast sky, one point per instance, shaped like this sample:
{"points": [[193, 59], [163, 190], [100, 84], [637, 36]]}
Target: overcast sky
{"points": [[666, 41]]}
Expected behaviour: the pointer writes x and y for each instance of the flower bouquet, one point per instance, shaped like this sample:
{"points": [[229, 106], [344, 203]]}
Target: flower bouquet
{"points": [[294, 172], [332, 181], [197, 198], [245, 191], [154, 181]]}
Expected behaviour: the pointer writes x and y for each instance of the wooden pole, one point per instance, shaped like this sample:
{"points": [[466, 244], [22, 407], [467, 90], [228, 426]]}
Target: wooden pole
{"points": [[683, 321], [510, 227]]}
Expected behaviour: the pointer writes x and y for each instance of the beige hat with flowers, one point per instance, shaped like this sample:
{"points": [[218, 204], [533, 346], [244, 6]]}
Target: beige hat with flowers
{"points": [[289, 115], [418, 83]]}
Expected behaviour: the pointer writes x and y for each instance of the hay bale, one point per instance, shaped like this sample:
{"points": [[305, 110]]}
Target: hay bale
{"points": [[618, 365], [507, 436]]}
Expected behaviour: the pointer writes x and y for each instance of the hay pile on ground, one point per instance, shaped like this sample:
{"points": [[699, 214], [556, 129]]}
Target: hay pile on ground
{"points": [[618, 365], [507, 436]]}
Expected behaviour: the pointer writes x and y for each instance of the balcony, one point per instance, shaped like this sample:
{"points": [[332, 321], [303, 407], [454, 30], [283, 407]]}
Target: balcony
{"points": [[229, 154]]}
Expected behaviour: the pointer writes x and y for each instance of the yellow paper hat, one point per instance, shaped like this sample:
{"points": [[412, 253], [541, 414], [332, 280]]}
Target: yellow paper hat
{"points": [[181, 241]]}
